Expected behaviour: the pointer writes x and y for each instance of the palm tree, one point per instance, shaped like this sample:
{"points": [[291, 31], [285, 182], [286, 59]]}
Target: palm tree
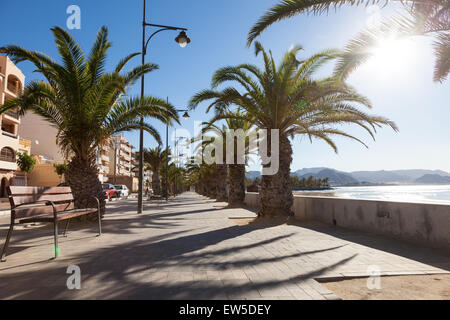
{"points": [[287, 98], [85, 103], [236, 171], [218, 138], [155, 158], [424, 17], [202, 176]]}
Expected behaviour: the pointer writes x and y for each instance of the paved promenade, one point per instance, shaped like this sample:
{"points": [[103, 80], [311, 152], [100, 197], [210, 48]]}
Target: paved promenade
{"points": [[191, 249]]}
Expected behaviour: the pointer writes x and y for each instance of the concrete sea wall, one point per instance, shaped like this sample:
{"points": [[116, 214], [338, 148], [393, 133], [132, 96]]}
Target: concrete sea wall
{"points": [[424, 224]]}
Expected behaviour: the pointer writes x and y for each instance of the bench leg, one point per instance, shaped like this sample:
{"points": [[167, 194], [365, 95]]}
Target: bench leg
{"points": [[55, 231], [99, 224], [8, 237], [66, 228]]}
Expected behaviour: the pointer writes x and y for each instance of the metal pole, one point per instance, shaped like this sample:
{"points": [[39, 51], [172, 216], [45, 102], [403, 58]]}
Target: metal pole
{"points": [[176, 165], [115, 161], [141, 131], [167, 159]]}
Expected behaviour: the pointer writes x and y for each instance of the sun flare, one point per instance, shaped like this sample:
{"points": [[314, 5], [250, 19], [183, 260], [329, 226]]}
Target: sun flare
{"points": [[393, 55]]}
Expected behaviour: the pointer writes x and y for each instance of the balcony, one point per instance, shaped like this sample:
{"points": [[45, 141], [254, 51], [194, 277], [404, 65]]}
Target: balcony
{"points": [[8, 134], [104, 158], [13, 114], [126, 149], [14, 85]]}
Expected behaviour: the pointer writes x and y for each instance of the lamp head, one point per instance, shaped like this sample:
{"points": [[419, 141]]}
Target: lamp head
{"points": [[182, 39]]}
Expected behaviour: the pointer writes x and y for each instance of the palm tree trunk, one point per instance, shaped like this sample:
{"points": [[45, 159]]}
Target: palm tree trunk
{"points": [[82, 176], [236, 184], [212, 193], [221, 182], [276, 193], [156, 183]]}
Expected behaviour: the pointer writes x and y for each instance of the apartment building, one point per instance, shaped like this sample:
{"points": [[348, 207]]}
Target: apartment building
{"points": [[12, 82], [43, 143], [104, 161], [120, 155]]}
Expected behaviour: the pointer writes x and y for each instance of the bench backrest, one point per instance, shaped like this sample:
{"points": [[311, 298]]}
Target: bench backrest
{"points": [[61, 196]]}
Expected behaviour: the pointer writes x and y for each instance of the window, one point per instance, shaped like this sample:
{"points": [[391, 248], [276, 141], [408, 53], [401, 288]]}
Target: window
{"points": [[8, 154]]}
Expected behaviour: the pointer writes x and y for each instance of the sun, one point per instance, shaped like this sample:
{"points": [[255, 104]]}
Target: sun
{"points": [[393, 55]]}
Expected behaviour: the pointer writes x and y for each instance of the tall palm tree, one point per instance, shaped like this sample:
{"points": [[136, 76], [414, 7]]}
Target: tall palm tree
{"points": [[423, 17], [155, 158], [85, 104], [287, 98]]}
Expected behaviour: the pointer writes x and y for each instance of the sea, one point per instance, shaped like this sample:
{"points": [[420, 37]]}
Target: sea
{"points": [[438, 194]]}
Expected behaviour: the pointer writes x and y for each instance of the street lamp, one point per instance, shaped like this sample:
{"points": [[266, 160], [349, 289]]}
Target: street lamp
{"points": [[182, 39], [185, 116], [116, 143]]}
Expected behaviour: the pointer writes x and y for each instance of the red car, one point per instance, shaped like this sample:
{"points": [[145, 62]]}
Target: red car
{"points": [[109, 191]]}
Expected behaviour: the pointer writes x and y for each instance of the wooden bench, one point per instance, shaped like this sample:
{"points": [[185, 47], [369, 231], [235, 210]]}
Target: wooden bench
{"points": [[44, 204]]}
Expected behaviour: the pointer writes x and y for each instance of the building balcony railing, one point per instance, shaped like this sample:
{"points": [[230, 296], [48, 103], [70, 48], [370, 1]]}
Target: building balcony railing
{"points": [[125, 148], [8, 134], [13, 114], [104, 158], [13, 89]]}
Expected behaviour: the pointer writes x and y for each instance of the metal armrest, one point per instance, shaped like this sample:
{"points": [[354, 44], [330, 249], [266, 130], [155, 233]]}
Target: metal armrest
{"points": [[98, 202]]}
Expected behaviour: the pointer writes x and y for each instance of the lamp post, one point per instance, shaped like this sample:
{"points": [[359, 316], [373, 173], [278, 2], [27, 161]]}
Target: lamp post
{"points": [[182, 39], [186, 116], [116, 147]]}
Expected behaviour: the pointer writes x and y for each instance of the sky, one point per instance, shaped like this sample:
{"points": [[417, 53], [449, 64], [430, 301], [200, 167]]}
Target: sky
{"points": [[398, 80]]}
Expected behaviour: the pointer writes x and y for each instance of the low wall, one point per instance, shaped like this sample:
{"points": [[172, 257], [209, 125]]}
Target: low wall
{"points": [[43, 175], [425, 224]]}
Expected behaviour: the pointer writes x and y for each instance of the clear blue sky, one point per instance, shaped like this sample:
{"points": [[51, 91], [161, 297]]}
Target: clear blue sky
{"points": [[401, 90]]}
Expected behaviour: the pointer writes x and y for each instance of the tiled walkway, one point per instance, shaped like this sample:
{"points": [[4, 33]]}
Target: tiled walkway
{"points": [[190, 249]]}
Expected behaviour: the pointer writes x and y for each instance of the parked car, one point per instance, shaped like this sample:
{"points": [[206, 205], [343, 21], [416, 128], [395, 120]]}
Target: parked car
{"points": [[109, 191], [122, 190]]}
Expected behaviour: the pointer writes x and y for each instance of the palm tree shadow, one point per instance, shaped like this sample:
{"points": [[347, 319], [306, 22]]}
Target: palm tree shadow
{"points": [[127, 264]]}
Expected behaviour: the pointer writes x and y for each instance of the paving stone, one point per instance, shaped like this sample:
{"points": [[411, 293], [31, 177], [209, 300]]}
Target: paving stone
{"points": [[190, 249]]}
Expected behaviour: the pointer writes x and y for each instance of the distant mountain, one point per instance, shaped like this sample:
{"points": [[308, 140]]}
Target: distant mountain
{"points": [[304, 171], [251, 175], [337, 178], [417, 173], [382, 176], [395, 176], [433, 179]]}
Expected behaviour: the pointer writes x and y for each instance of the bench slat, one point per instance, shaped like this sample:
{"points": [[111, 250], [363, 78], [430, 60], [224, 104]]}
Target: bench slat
{"points": [[61, 216], [40, 210], [18, 200], [15, 190]]}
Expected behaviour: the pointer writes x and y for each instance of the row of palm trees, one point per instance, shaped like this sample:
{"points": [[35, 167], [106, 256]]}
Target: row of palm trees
{"points": [[287, 97], [87, 106]]}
